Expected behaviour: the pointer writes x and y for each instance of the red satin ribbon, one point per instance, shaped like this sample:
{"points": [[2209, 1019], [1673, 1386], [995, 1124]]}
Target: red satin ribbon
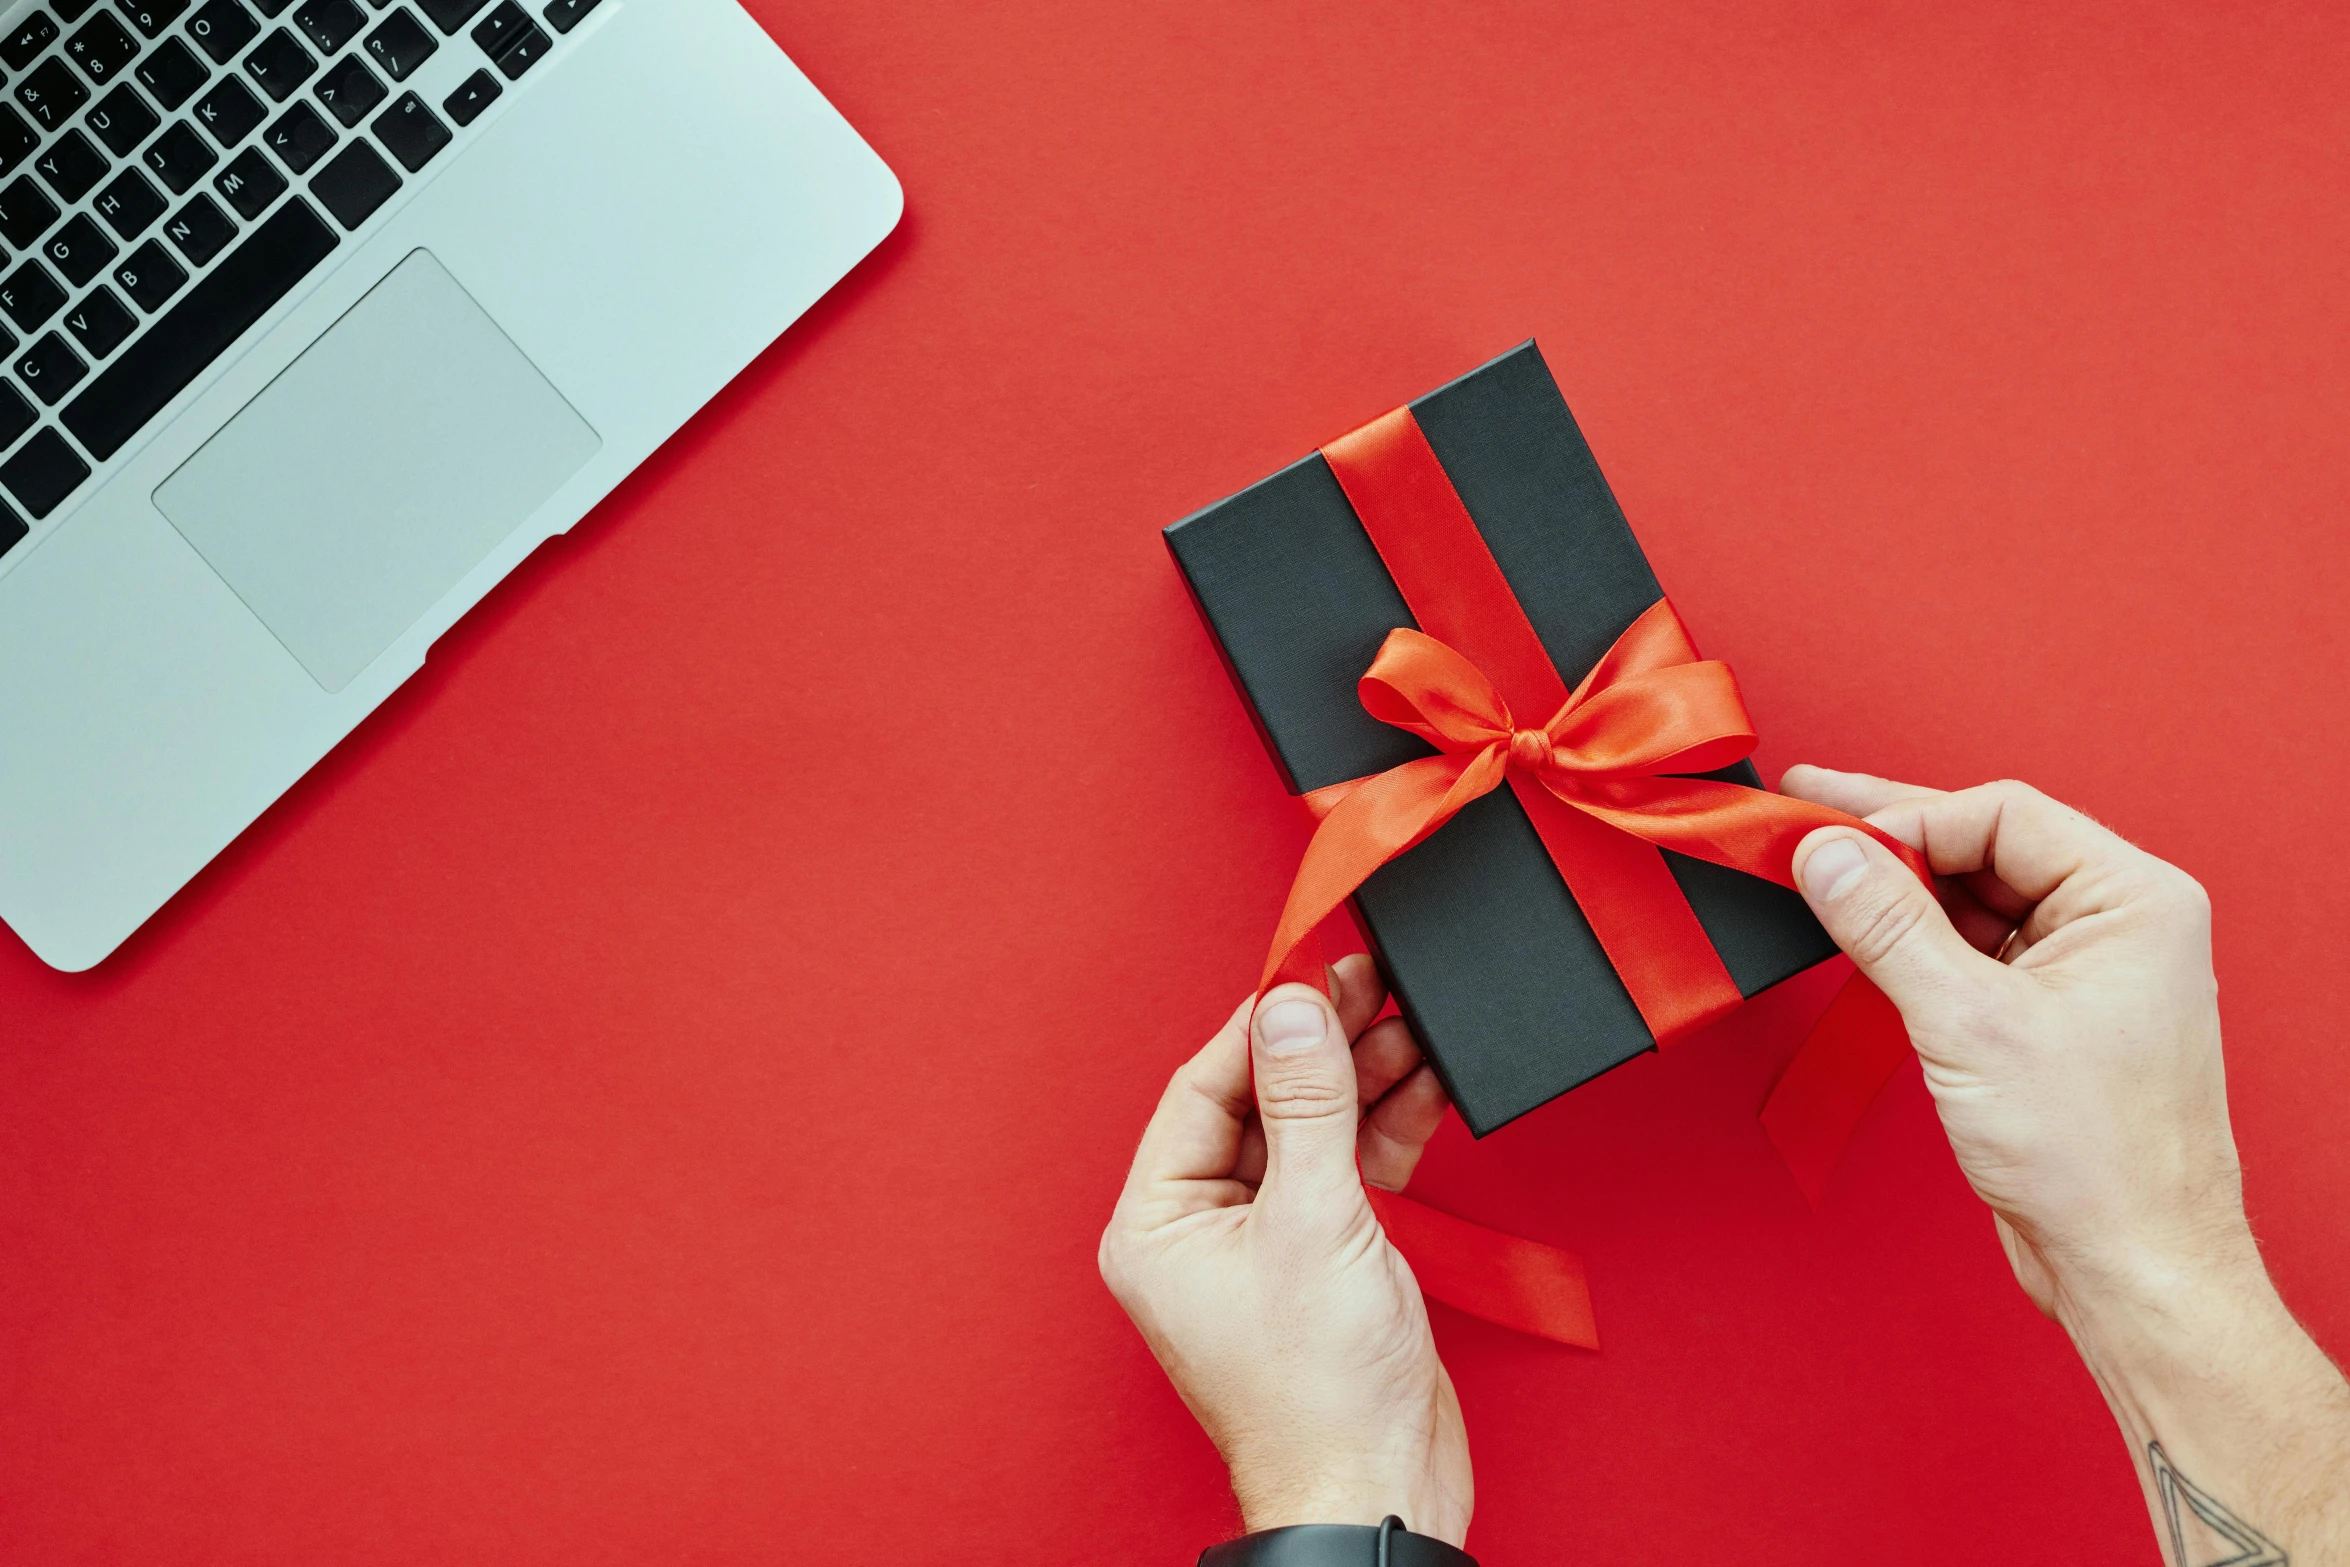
{"points": [[1597, 780], [1844, 1061]]}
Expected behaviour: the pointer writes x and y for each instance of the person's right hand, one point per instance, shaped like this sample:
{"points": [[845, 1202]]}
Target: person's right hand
{"points": [[2061, 998], [2060, 995]]}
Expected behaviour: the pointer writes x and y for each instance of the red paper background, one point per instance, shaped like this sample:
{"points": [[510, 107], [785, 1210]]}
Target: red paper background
{"points": [[653, 1094]]}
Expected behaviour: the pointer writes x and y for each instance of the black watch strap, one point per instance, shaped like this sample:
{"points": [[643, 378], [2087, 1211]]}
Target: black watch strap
{"points": [[1389, 1544]]}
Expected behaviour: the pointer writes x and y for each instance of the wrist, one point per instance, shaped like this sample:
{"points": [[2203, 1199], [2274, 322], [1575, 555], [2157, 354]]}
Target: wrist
{"points": [[2156, 1333], [2136, 1281], [1385, 1544]]}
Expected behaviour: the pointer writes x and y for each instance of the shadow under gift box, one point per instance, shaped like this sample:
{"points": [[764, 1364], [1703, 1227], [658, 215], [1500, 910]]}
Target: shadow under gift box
{"points": [[1492, 964]]}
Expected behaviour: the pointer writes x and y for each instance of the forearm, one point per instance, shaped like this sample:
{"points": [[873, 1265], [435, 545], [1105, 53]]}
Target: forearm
{"points": [[2237, 1424]]}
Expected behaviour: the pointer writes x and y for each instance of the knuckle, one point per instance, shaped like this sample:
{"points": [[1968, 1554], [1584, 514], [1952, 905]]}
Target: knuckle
{"points": [[2030, 802], [2019, 801], [1303, 1094], [1884, 928], [2165, 893], [2185, 892], [1112, 1258], [2014, 791], [2189, 907], [1106, 1258]]}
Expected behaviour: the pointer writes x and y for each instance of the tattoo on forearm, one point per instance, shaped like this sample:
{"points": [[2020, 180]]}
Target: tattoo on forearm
{"points": [[2186, 1506]]}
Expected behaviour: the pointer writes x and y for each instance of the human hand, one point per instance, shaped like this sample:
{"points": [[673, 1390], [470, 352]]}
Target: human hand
{"points": [[2060, 995], [2061, 998], [1245, 1251]]}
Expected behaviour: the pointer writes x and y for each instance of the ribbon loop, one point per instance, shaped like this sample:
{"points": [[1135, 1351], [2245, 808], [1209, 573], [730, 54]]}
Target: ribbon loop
{"points": [[1418, 683], [1686, 719]]}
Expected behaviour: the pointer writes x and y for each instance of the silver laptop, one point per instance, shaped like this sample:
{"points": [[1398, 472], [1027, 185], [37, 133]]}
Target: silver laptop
{"points": [[317, 317]]}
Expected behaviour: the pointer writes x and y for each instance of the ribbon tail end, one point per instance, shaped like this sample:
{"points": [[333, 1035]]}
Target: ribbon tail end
{"points": [[1813, 1167]]}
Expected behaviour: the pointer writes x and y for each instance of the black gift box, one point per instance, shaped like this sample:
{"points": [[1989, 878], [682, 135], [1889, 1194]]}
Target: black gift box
{"points": [[1491, 962]]}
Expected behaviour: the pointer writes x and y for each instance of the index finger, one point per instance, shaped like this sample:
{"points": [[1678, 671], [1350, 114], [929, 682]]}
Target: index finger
{"points": [[1855, 794], [2031, 843], [1984, 908], [1194, 1135]]}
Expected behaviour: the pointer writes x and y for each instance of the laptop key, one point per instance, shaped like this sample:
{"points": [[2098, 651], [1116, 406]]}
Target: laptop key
{"points": [[22, 47], [564, 15], [179, 157], [51, 368], [474, 94], [17, 139], [43, 473], [70, 11], [412, 131], [270, 8], [350, 90], [200, 229], [52, 93], [17, 413], [499, 27], [250, 183], [222, 28], [401, 44], [80, 249], [72, 166], [25, 212], [30, 296], [12, 530], [152, 18], [354, 183], [300, 138], [103, 48], [122, 120], [129, 203], [450, 15], [330, 23], [150, 276], [280, 64], [172, 73], [161, 361], [230, 111], [524, 51], [101, 323]]}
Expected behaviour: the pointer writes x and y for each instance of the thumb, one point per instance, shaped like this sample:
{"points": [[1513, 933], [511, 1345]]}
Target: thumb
{"points": [[1885, 919], [1306, 1098]]}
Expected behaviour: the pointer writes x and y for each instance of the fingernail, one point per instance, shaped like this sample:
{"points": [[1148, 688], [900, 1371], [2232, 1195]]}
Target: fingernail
{"points": [[1833, 867], [1288, 1026]]}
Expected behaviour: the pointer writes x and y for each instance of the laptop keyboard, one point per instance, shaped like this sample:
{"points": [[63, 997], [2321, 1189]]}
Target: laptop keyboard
{"points": [[170, 171]]}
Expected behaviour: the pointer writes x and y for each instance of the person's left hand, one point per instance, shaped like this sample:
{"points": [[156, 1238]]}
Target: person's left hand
{"points": [[1244, 1249]]}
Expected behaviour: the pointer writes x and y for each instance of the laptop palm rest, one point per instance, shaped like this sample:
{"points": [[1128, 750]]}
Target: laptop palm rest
{"points": [[376, 471]]}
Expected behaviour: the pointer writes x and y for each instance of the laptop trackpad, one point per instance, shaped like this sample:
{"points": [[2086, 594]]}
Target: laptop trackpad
{"points": [[377, 470]]}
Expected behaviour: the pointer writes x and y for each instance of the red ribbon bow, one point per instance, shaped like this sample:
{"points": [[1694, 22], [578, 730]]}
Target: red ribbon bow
{"points": [[1598, 781], [1649, 709]]}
